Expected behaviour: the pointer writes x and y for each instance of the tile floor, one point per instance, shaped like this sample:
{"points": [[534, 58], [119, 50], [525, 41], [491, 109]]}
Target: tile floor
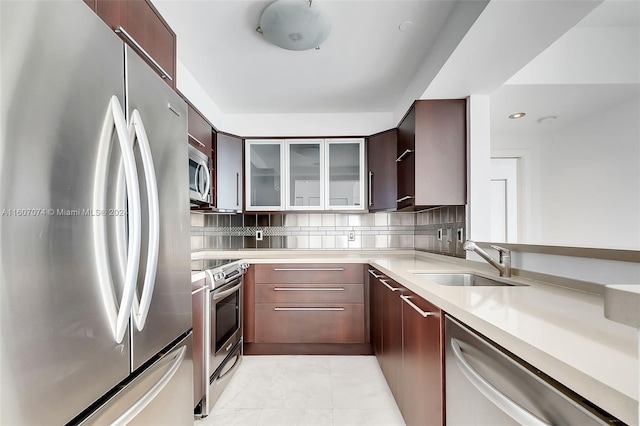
{"points": [[306, 391]]}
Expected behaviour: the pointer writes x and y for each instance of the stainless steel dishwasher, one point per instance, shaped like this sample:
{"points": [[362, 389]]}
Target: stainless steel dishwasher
{"points": [[486, 385]]}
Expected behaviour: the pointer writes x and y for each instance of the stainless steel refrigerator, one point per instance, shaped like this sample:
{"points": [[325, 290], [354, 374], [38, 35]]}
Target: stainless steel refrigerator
{"points": [[95, 294]]}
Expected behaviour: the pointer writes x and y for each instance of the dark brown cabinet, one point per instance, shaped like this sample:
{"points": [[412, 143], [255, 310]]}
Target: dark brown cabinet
{"points": [[199, 131], [422, 373], [386, 333], [307, 304], [381, 159], [144, 30], [431, 155], [406, 336], [229, 176]]}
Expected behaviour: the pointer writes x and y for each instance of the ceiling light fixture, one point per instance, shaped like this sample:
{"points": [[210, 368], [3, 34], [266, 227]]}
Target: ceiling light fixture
{"points": [[517, 115], [295, 24]]}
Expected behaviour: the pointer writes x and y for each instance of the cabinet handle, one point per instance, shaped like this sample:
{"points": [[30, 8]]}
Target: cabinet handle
{"points": [[371, 271], [388, 286], [308, 269], [404, 154], [370, 188], [406, 197], [308, 309], [308, 289], [414, 306], [144, 53], [237, 189], [173, 109], [196, 139]]}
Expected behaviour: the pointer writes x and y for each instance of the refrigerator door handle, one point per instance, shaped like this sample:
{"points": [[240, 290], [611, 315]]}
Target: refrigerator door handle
{"points": [[141, 403], [118, 315], [493, 394], [138, 132]]}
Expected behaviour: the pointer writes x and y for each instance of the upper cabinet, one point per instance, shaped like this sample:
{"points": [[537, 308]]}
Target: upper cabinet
{"points": [[305, 174], [264, 183], [229, 178], [345, 174], [199, 131], [381, 160], [141, 26], [431, 155]]}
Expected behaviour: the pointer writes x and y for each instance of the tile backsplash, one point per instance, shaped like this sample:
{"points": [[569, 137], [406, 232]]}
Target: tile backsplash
{"points": [[332, 231]]}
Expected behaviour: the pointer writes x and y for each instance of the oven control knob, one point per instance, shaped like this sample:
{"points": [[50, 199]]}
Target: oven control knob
{"points": [[244, 266], [219, 276]]}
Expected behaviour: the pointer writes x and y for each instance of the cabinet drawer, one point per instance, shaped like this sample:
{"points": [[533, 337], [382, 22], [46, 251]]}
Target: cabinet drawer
{"points": [[309, 323], [309, 273], [310, 293]]}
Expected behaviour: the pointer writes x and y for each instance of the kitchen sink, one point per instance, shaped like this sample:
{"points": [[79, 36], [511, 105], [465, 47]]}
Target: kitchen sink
{"points": [[465, 280]]}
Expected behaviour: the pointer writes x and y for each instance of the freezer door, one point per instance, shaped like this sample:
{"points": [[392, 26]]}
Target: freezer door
{"points": [[60, 67], [165, 256], [161, 394]]}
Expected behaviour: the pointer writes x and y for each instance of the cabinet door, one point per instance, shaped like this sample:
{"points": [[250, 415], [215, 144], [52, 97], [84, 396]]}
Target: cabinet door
{"points": [[422, 363], [375, 309], [264, 161], [229, 172], [305, 177], [345, 174], [381, 160], [406, 164], [147, 31], [199, 131], [392, 334]]}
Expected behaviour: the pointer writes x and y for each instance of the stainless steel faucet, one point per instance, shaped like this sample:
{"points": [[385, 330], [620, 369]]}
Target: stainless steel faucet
{"points": [[503, 266]]}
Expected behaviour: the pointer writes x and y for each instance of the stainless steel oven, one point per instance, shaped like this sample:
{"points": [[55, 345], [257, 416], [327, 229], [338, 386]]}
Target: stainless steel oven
{"points": [[199, 177], [221, 331]]}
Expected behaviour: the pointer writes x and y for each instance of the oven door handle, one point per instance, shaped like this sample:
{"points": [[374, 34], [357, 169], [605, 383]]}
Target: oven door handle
{"points": [[225, 293]]}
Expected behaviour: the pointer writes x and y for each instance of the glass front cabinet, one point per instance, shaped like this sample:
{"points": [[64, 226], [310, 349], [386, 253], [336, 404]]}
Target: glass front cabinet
{"points": [[305, 174]]}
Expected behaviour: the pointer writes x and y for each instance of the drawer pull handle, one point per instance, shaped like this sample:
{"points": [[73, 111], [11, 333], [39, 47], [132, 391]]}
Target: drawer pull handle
{"points": [[388, 286], [414, 306], [308, 289], [308, 269], [308, 309], [372, 272]]}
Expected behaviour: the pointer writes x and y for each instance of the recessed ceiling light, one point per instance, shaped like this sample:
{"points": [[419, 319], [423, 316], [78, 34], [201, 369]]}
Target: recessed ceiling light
{"points": [[405, 26], [517, 115]]}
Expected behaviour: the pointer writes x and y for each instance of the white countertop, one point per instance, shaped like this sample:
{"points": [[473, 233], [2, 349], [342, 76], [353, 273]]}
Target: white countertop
{"points": [[560, 331]]}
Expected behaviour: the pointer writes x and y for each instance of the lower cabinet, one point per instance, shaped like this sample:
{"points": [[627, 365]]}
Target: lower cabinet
{"points": [[306, 304], [406, 336]]}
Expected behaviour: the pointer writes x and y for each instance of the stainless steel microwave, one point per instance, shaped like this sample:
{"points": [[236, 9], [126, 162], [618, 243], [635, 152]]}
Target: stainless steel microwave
{"points": [[199, 177]]}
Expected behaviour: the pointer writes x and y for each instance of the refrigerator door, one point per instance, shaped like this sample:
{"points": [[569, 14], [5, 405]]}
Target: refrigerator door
{"points": [[164, 116], [60, 67], [161, 395]]}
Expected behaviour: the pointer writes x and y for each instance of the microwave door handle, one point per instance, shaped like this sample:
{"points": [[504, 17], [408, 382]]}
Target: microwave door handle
{"points": [[138, 132], [206, 179], [118, 316], [493, 394]]}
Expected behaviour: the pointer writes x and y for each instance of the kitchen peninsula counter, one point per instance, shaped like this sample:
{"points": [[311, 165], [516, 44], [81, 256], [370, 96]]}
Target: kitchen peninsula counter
{"points": [[562, 332]]}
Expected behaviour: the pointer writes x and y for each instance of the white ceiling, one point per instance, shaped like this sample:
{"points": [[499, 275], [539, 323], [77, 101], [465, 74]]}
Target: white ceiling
{"points": [[368, 72], [364, 66]]}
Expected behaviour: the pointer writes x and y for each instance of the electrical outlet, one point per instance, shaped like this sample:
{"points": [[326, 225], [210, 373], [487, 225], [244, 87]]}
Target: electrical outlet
{"points": [[352, 235], [259, 235]]}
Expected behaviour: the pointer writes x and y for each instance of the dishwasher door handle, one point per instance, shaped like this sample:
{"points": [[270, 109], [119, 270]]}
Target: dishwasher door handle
{"points": [[493, 394]]}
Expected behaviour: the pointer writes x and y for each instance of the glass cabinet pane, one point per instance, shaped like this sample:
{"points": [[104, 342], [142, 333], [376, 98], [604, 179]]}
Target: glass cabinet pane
{"points": [[265, 175], [345, 175], [305, 187]]}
